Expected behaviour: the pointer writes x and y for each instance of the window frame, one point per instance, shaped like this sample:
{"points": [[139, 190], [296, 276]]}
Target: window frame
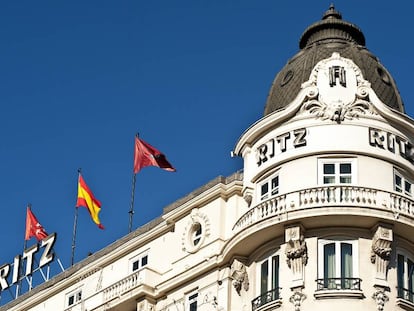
{"points": [[192, 301], [338, 241], [269, 258], [270, 295], [76, 295], [406, 291], [141, 260], [404, 181], [337, 175], [271, 190]]}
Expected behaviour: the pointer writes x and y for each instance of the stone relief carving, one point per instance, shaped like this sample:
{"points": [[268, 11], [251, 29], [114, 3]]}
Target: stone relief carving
{"points": [[296, 249], [296, 254], [338, 111], [196, 217], [239, 275], [381, 252], [145, 305], [380, 297], [347, 102], [297, 298]]}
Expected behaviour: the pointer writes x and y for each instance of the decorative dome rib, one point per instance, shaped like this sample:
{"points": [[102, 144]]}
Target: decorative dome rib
{"points": [[319, 41]]}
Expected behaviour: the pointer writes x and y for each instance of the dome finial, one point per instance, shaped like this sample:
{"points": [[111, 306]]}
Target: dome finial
{"points": [[332, 13]]}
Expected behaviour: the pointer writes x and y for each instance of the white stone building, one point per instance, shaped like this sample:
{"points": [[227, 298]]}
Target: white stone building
{"points": [[321, 218]]}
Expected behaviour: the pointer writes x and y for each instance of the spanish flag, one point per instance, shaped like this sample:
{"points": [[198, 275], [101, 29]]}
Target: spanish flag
{"points": [[88, 200]]}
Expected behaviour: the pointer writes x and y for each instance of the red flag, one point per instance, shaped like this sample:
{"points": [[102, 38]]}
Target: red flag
{"points": [[88, 200], [33, 227], [147, 155]]}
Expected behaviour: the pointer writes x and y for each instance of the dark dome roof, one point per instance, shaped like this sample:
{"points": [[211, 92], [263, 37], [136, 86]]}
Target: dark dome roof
{"points": [[318, 42]]}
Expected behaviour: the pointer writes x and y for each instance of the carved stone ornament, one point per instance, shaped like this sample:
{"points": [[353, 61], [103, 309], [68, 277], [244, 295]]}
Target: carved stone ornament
{"points": [[296, 254], [297, 298], [381, 252], [197, 222], [336, 90], [145, 305], [248, 198], [380, 297], [296, 249], [239, 275]]}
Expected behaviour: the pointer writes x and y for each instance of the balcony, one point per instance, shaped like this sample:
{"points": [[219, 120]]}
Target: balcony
{"points": [[338, 284], [145, 277], [405, 298], [326, 196], [268, 300], [124, 292], [338, 288]]}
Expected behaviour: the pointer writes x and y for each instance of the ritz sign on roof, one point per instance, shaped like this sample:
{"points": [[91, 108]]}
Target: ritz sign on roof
{"points": [[27, 258]]}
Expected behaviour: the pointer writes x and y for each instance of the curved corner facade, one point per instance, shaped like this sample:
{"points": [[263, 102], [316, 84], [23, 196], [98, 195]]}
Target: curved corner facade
{"points": [[320, 218]]}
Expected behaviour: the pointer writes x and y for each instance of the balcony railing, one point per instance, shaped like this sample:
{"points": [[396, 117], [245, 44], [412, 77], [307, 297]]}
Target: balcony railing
{"points": [[325, 196], [145, 276], [406, 294], [338, 284], [268, 297]]}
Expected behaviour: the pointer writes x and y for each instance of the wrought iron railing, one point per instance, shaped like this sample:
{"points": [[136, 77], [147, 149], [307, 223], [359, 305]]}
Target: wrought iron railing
{"points": [[406, 294], [265, 298], [338, 284]]}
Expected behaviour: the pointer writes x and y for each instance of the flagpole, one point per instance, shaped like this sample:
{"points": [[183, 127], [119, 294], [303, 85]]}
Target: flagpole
{"points": [[134, 179], [75, 224], [131, 210], [19, 282]]}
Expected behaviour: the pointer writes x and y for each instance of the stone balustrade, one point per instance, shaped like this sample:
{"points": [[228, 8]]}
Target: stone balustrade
{"points": [[325, 196]]}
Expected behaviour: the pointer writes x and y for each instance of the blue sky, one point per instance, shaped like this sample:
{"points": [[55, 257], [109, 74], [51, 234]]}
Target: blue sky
{"points": [[80, 78]]}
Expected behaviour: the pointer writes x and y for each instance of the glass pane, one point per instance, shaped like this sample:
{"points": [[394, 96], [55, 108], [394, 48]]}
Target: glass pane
{"points": [[407, 187], [71, 300], [275, 185], [265, 189], [144, 261], [398, 181], [263, 276], [193, 302], [329, 179], [135, 265], [346, 262], [345, 179], [275, 182], [329, 265], [275, 271], [400, 271], [329, 168], [345, 168], [410, 268]]}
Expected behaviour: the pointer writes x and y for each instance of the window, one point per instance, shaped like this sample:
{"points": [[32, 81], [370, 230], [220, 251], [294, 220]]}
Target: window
{"points": [[338, 265], [401, 184], [405, 277], [336, 171], [268, 274], [74, 298], [192, 301], [139, 261], [269, 188], [196, 232]]}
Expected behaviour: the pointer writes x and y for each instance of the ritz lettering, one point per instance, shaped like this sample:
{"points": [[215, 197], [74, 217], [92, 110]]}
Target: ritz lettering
{"points": [[28, 258], [279, 145], [391, 142]]}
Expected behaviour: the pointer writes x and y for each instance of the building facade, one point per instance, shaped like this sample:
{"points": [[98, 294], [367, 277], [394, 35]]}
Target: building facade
{"points": [[320, 217]]}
